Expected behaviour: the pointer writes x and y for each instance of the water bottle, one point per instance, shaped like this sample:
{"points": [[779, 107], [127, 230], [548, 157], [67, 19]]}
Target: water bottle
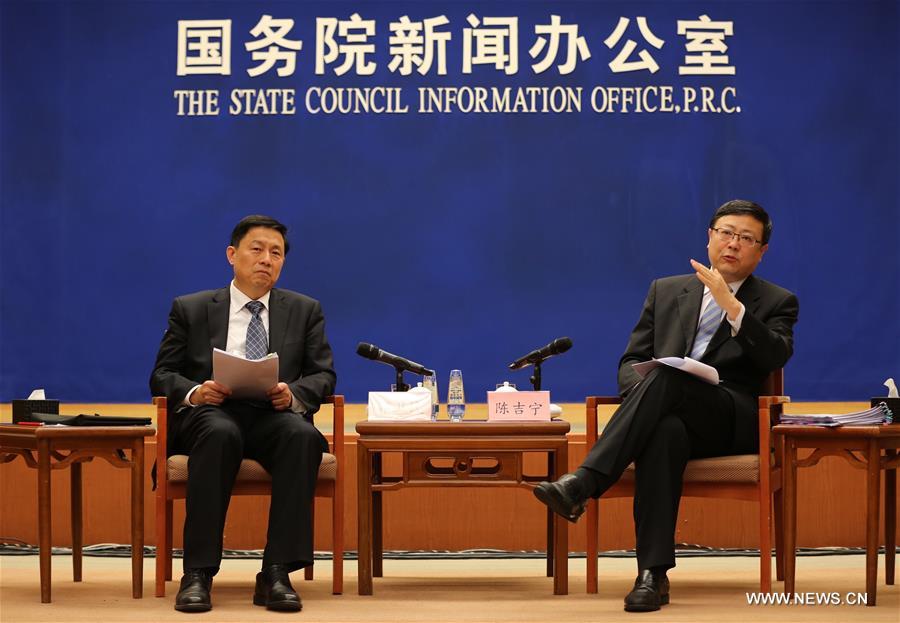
{"points": [[456, 397], [430, 383]]}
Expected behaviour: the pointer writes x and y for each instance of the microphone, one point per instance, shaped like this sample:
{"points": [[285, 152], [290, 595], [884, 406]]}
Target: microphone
{"points": [[556, 347], [370, 351]]}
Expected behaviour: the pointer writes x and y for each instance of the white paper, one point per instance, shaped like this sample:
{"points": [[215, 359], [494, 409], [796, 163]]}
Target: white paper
{"points": [[37, 394], [686, 364], [248, 379]]}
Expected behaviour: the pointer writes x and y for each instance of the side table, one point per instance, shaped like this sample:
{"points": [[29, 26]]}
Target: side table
{"points": [[58, 447], [456, 454], [877, 450]]}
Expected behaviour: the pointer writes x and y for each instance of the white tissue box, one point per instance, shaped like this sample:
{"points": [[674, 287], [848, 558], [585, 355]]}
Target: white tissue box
{"points": [[399, 407]]}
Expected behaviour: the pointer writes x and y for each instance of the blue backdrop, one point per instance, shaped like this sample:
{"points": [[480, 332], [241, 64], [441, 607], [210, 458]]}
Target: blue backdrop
{"points": [[461, 240]]}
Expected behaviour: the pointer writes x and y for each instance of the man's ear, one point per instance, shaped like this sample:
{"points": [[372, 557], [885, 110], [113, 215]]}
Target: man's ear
{"points": [[229, 253]]}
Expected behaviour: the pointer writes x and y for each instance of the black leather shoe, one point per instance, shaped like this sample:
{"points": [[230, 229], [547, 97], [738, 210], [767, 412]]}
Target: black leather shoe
{"points": [[193, 594], [650, 592], [564, 497], [274, 590]]}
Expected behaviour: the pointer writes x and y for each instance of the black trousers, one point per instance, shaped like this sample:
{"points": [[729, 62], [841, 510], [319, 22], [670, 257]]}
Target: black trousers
{"points": [[216, 439], [669, 418]]}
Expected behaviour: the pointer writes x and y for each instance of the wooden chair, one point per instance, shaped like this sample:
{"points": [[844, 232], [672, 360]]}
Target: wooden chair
{"points": [[252, 479], [750, 477]]}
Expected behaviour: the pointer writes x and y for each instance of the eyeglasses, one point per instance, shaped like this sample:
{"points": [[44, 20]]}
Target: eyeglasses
{"points": [[727, 235]]}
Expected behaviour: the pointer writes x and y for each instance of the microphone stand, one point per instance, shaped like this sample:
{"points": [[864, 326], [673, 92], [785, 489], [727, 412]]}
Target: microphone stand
{"points": [[401, 386], [536, 377]]}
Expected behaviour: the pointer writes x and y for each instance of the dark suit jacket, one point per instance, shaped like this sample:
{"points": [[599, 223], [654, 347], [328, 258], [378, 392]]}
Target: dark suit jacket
{"points": [[199, 322], [668, 324]]}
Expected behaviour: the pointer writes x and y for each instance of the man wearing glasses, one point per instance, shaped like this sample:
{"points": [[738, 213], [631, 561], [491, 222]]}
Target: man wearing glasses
{"points": [[723, 316]]}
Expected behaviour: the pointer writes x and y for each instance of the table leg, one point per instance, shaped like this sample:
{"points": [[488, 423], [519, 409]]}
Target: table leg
{"points": [[377, 530], [790, 513], [137, 518], [890, 519], [592, 519], [561, 549], [551, 524], [77, 520], [44, 524], [778, 511], [364, 520], [873, 492], [377, 535]]}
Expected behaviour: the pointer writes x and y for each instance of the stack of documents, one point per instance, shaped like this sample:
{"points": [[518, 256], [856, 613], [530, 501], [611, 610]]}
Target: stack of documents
{"points": [[879, 414], [248, 379]]}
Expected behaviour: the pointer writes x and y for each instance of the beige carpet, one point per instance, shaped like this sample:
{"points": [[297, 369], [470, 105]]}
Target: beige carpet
{"points": [[703, 589]]}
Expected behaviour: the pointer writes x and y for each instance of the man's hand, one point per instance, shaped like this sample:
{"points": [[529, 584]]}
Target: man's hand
{"points": [[210, 393], [281, 396], [712, 279]]}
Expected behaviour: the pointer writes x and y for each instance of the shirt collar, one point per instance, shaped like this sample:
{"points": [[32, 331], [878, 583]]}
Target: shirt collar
{"points": [[239, 299]]}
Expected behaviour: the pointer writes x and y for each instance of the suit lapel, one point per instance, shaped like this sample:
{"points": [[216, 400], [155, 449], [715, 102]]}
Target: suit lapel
{"points": [[689, 310], [278, 320], [217, 318], [749, 296]]}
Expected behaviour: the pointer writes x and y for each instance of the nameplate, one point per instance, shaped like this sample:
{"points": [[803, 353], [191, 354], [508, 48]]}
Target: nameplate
{"points": [[518, 406]]}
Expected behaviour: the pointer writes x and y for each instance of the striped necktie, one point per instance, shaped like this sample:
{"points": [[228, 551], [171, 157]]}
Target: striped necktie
{"points": [[257, 340], [709, 323]]}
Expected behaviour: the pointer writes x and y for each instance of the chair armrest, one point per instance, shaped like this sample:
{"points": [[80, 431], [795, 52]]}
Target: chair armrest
{"points": [[162, 429], [770, 409], [591, 426], [337, 435]]}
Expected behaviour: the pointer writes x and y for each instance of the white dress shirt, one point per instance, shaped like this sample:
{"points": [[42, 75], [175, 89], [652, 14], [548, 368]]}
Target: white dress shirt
{"points": [[239, 319]]}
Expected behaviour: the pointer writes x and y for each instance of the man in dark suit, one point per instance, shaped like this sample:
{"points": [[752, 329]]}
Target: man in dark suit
{"points": [[249, 318], [723, 316]]}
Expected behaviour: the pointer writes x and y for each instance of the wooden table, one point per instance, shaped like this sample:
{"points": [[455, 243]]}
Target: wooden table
{"points": [[456, 454], [870, 448], [59, 447]]}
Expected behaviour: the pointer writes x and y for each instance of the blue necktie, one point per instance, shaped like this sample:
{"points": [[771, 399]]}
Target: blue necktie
{"points": [[709, 324], [257, 340]]}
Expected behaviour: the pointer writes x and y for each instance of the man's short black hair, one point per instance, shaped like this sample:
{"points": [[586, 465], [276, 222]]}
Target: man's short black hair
{"points": [[258, 220], [742, 206]]}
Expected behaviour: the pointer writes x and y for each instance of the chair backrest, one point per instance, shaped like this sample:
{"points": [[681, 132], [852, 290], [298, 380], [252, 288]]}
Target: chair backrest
{"points": [[774, 384]]}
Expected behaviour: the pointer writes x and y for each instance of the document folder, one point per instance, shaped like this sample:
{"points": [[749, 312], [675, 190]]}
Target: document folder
{"points": [[90, 420]]}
